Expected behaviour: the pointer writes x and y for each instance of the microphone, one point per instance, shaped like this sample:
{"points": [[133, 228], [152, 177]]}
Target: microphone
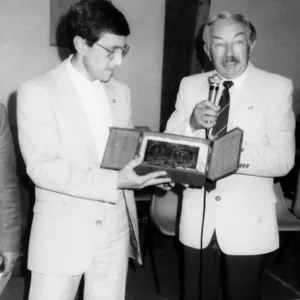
{"points": [[214, 83]]}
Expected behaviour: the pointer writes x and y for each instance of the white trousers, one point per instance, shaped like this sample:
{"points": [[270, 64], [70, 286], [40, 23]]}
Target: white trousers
{"points": [[105, 278]]}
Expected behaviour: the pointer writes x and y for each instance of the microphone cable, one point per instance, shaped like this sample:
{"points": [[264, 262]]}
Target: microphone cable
{"points": [[214, 82], [201, 242], [202, 233]]}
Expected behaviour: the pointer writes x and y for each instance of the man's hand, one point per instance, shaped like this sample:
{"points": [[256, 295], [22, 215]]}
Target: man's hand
{"points": [[210, 136], [128, 179], [166, 186], [204, 115], [10, 259]]}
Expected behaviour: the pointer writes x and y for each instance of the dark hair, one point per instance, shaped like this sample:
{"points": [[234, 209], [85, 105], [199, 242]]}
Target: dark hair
{"points": [[232, 16], [90, 19]]}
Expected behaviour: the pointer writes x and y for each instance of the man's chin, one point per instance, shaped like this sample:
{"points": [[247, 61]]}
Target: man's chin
{"points": [[105, 80], [231, 71], [107, 77]]}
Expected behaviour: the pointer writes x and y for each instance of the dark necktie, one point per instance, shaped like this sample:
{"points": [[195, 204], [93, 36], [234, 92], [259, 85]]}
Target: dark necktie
{"points": [[221, 126]]}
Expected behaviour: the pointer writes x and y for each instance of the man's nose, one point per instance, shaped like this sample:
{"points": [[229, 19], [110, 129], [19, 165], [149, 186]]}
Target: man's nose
{"points": [[228, 50], [118, 59]]}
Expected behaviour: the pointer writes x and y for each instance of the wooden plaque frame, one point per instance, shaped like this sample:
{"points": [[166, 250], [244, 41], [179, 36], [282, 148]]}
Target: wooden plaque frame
{"points": [[186, 159]]}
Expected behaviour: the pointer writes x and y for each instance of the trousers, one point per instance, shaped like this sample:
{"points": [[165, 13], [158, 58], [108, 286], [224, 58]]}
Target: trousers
{"points": [[210, 274], [105, 276]]}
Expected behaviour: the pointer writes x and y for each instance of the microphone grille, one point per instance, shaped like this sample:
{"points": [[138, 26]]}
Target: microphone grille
{"points": [[215, 79]]}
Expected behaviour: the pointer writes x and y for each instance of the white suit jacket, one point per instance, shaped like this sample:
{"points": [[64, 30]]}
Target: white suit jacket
{"points": [[61, 159], [242, 207]]}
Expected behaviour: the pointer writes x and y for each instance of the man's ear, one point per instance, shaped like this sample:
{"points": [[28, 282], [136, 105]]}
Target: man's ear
{"points": [[251, 47], [206, 49], [79, 44]]}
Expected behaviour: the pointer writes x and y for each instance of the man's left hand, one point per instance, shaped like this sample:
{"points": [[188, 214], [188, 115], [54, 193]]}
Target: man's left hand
{"points": [[128, 179], [166, 186]]}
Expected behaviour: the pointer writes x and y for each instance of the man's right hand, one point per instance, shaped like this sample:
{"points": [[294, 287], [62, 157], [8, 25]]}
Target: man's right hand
{"points": [[128, 179], [204, 115]]}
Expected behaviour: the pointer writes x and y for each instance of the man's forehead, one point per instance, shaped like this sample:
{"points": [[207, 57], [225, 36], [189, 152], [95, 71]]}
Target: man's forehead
{"points": [[219, 37], [227, 26], [113, 39]]}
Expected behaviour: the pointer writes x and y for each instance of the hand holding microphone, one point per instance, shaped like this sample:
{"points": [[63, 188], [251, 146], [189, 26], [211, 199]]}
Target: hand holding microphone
{"points": [[214, 83], [205, 112]]}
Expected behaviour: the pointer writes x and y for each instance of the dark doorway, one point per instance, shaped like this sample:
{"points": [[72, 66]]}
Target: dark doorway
{"points": [[183, 20]]}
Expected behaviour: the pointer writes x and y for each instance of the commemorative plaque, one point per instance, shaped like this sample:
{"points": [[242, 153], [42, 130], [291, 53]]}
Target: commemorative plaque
{"points": [[186, 159]]}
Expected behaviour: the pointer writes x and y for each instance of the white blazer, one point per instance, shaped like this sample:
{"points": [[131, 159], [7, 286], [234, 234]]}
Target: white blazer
{"points": [[242, 207], [61, 159]]}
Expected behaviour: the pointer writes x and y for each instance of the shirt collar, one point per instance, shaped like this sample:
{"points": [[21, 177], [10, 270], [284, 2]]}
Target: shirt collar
{"points": [[238, 81]]}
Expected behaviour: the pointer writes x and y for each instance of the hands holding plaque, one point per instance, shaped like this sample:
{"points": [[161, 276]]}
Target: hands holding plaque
{"points": [[128, 179], [183, 159]]}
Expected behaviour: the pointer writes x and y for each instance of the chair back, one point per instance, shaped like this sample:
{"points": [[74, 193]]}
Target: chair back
{"points": [[163, 211], [296, 202], [281, 205]]}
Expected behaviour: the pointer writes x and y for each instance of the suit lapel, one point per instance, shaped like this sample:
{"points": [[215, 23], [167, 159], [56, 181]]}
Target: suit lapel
{"points": [[110, 91], [119, 111], [119, 105], [70, 105]]}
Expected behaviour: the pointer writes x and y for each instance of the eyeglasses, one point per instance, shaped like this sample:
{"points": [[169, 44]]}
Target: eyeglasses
{"points": [[112, 52]]}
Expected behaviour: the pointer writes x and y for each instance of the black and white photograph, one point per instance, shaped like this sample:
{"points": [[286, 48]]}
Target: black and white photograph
{"points": [[149, 150]]}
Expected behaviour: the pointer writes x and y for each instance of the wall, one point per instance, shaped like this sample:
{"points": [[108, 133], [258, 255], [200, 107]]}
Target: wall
{"points": [[24, 46], [142, 69], [180, 25], [25, 51], [278, 45]]}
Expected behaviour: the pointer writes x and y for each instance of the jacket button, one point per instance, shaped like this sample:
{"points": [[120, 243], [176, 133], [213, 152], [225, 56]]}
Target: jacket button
{"points": [[218, 198], [98, 223]]}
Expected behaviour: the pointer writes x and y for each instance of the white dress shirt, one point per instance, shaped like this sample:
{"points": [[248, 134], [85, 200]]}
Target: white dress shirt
{"points": [[95, 103]]}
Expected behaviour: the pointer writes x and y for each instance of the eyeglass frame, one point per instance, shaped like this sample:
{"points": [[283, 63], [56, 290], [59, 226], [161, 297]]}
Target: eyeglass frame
{"points": [[112, 53]]}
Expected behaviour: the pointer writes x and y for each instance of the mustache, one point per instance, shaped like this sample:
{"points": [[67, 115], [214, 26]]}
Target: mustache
{"points": [[230, 59]]}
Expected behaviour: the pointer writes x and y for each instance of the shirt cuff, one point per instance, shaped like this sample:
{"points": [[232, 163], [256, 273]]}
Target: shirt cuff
{"points": [[200, 133]]}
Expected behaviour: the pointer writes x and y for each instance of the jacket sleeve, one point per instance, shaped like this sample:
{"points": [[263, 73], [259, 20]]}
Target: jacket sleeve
{"points": [[276, 157], [179, 122], [48, 168], [10, 210]]}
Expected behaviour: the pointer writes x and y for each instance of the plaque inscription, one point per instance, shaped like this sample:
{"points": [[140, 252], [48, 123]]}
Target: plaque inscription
{"points": [[172, 155], [174, 152]]}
